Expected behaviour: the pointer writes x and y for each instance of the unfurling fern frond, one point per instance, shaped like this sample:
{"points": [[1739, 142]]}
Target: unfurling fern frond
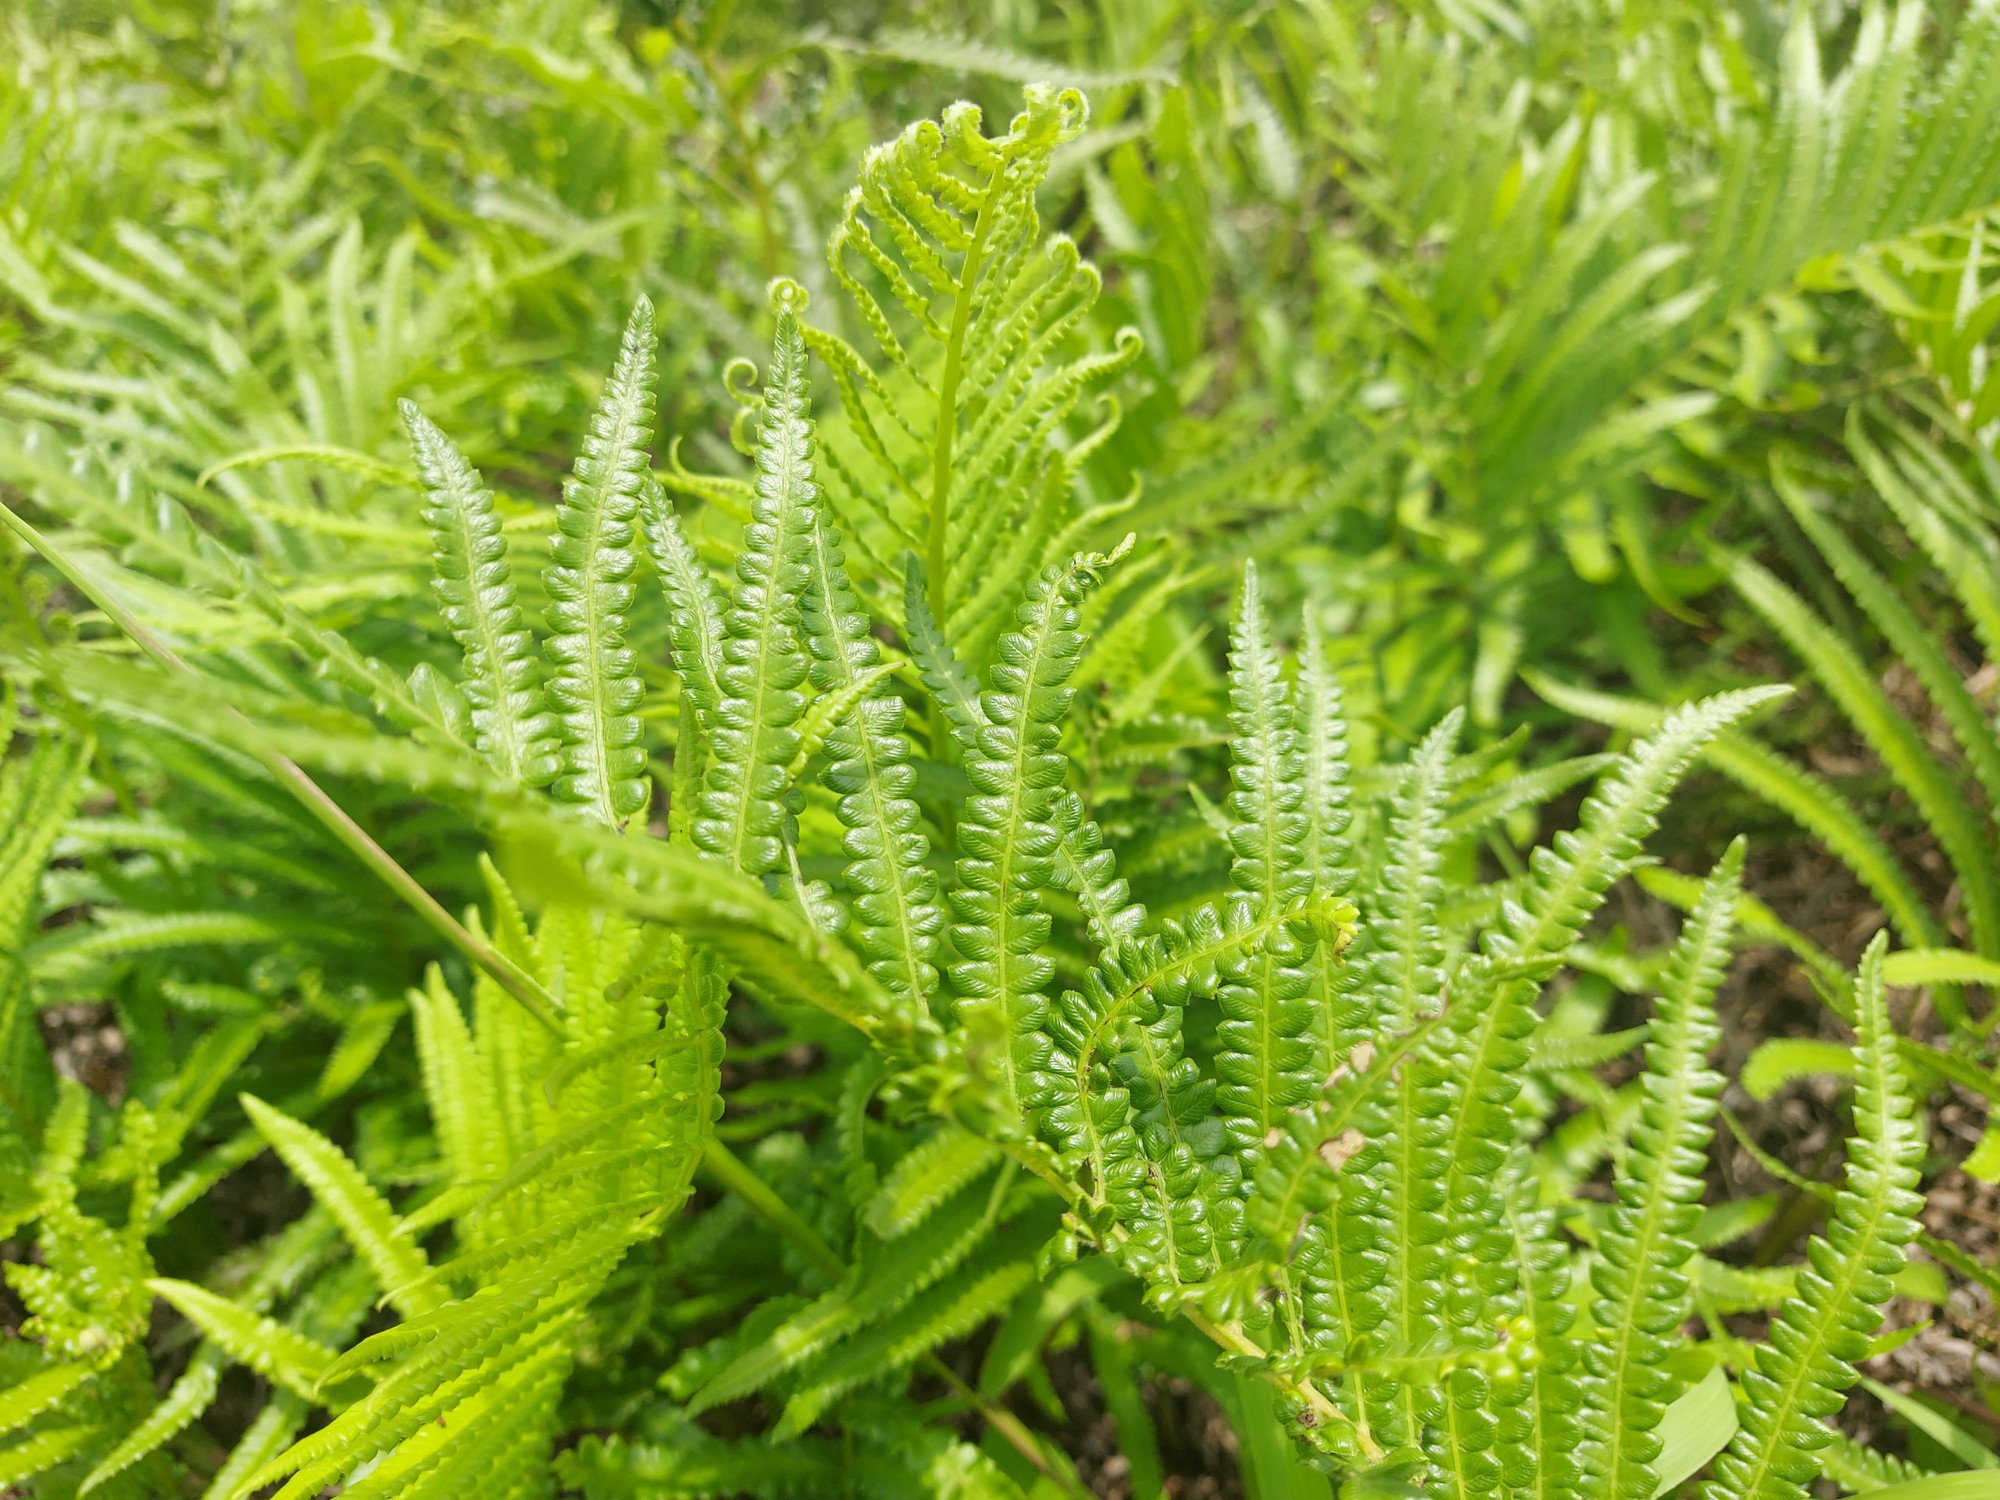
{"points": [[1642, 1272], [956, 450], [1818, 1334], [595, 688], [473, 578]]}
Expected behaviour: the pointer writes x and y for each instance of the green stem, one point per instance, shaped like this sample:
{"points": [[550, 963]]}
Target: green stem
{"points": [[1232, 1338], [509, 975], [729, 1171]]}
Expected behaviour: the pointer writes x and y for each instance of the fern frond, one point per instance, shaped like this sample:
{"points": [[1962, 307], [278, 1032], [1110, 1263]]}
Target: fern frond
{"points": [[594, 687], [1799, 1376], [362, 1215], [473, 578], [440, 1361], [1904, 631], [696, 606], [1805, 798], [1481, 1427], [1568, 880], [1016, 768], [1854, 688], [949, 1308], [1550, 1362], [887, 1276], [274, 1351], [925, 1176], [1325, 853], [1644, 1250], [1083, 1107], [1086, 867], [1266, 1061], [743, 810], [964, 439], [1907, 473], [895, 891], [38, 792], [191, 1394], [1860, 1469], [952, 687]]}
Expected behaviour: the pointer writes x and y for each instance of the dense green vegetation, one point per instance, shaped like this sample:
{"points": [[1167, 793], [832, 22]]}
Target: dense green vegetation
{"points": [[756, 751]]}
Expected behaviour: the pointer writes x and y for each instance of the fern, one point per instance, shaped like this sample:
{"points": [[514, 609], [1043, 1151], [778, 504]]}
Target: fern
{"points": [[474, 582], [1016, 770], [1268, 1064], [762, 661], [1645, 1250], [951, 453], [594, 687], [1246, 1055], [1799, 1375]]}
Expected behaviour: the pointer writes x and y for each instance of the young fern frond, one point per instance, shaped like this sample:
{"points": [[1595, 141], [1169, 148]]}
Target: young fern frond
{"points": [[1325, 852], [894, 890], [1267, 1063], [1800, 1375], [695, 605], [1641, 1274], [594, 687], [745, 806], [1016, 768], [955, 450], [1397, 1238], [472, 576]]}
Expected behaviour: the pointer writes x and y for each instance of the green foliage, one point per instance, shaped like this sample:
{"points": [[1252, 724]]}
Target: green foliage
{"points": [[1228, 1000], [1799, 1375]]}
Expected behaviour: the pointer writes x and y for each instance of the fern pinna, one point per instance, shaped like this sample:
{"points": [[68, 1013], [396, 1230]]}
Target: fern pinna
{"points": [[1283, 1111]]}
